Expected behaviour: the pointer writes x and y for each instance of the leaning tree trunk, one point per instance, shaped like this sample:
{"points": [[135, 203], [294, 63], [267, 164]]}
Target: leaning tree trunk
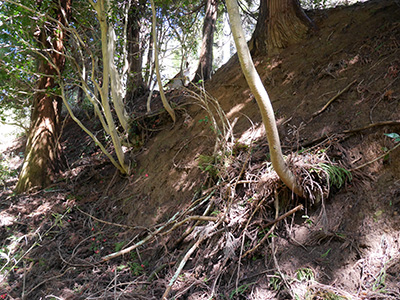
{"points": [[263, 101], [280, 23], [164, 100], [43, 157], [204, 69]]}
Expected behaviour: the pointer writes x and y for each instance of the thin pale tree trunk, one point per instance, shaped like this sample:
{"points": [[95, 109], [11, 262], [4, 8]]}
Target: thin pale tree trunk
{"points": [[164, 100], [111, 81], [263, 101]]}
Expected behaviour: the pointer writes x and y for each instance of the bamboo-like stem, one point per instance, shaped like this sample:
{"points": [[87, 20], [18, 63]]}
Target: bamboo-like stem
{"points": [[101, 9], [164, 100]]}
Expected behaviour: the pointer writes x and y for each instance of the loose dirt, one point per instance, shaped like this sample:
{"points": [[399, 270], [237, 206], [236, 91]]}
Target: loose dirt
{"points": [[335, 96]]}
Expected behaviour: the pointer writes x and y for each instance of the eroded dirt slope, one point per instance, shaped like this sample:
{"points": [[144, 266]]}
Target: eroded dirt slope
{"points": [[53, 241]]}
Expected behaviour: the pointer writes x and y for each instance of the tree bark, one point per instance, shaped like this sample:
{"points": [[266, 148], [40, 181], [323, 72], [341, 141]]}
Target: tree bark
{"points": [[43, 155], [258, 43], [262, 98], [135, 84], [280, 23], [149, 65], [204, 69]]}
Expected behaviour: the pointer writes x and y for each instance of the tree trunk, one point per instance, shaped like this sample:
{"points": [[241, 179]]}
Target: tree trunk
{"points": [[43, 157], [280, 23], [204, 69], [262, 98], [135, 84], [111, 84], [164, 100], [149, 65], [258, 43]]}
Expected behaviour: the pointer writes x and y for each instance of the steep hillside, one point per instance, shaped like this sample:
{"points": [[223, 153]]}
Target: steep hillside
{"points": [[200, 207]]}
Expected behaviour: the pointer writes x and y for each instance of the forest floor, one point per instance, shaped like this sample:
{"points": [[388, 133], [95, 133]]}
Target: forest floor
{"points": [[197, 217]]}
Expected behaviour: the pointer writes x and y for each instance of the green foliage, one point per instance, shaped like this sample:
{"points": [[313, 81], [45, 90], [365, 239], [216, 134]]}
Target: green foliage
{"points": [[379, 284], [324, 255], [8, 254], [337, 175], [6, 172], [118, 246], [394, 136], [324, 294], [13, 247], [208, 164], [262, 232], [17, 64], [314, 4], [241, 289], [305, 274], [136, 268], [275, 282], [307, 219], [205, 120]]}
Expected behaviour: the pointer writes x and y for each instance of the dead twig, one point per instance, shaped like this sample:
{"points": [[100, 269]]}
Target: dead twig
{"points": [[158, 231], [322, 139], [285, 215], [278, 269], [332, 99], [181, 265], [159, 269], [243, 239], [105, 222], [141, 242], [112, 181], [208, 232], [48, 279], [383, 123], [374, 160], [191, 218], [191, 228]]}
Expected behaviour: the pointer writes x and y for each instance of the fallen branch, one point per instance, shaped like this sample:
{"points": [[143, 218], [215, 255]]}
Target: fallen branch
{"points": [[348, 131], [205, 234], [105, 222], [383, 123], [194, 218], [285, 215], [332, 99], [47, 279], [376, 159], [181, 265], [243, 239], [191, 228], [278, 269], [138, 244], [158, 231]]}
